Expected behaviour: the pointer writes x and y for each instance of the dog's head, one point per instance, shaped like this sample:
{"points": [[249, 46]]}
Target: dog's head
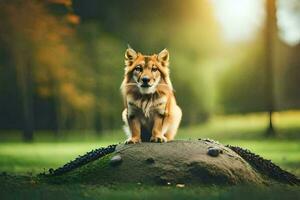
{"points": [[146, 71]]}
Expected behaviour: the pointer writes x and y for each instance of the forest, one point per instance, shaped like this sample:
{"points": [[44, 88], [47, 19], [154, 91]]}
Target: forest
{"points": [[235, 68], [62, 65]]}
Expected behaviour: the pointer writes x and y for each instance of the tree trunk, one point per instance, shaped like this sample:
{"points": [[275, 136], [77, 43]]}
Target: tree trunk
{"points": [[270, 30], [27, 95], [24, 75]]}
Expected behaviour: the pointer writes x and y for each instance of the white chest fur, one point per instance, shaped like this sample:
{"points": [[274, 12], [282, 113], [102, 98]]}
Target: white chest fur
{"points": [[146, 107]]}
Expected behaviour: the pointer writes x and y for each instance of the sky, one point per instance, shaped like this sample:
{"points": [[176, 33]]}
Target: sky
{"points": [[240, 20], [288, 15]]}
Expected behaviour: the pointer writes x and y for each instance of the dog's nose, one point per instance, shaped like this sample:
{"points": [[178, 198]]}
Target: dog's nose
{"points": [[145, 79]]}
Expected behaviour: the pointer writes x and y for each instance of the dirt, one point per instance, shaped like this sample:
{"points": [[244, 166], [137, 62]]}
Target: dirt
{"points": [[178, 162]]}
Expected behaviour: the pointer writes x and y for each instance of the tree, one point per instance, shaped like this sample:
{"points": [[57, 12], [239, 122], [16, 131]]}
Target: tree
{"points": [[39, 48], [270, 31]]}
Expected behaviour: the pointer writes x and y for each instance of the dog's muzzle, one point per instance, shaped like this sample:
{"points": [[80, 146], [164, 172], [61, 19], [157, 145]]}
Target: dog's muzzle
{"points": [[145, 82]]}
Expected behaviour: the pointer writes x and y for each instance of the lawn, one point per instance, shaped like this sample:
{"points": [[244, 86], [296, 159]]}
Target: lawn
{"points": [[29, 159], [32, 191], [35, 158]]}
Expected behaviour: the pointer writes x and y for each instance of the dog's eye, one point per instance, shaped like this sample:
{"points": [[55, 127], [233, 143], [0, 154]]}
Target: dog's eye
{"points": [[154, 69], [138, 68]]}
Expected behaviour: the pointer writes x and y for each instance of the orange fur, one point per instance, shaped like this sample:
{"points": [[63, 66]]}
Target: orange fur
{"points": [[151, 108]]}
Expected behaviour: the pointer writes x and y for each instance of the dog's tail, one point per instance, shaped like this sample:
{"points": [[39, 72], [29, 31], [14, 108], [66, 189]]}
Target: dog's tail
{"points": [[127, 131], [126, 125]]}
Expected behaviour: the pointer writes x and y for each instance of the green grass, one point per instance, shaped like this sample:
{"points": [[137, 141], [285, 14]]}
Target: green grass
{"points": [[46, 152], [232, 127], [30, 190], [246, 127], [35, 158]]}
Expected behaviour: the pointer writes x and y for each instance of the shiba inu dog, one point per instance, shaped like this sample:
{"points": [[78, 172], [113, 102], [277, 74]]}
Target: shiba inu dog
{"points": [[151, 112]]}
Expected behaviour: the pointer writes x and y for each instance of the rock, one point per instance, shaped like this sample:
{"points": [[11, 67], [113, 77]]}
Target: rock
{"points": [[150, 160], [213, 151], [180, 185], [116, 160], [184, 162]]}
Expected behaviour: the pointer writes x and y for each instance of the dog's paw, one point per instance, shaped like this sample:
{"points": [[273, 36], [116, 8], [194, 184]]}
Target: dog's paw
{"points": [[133, 141], [158, 139]]}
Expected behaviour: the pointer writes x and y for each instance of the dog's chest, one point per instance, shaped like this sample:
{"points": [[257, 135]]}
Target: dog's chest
{"points": [[146, 107]]}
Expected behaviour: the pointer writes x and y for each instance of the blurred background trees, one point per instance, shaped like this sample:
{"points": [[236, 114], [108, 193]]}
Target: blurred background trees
{"points": [[61, 61]]}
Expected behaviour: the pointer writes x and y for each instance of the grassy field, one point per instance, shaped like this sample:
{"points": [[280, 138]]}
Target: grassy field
{"points": [[29, 159], [26, 190], [37, 157]]}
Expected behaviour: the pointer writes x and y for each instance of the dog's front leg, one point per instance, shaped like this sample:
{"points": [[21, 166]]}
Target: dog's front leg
{"points": [[135, 129], [157, 131]]}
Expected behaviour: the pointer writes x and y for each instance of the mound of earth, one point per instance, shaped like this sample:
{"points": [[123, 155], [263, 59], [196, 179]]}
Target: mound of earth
{"points": [[177, 162]]}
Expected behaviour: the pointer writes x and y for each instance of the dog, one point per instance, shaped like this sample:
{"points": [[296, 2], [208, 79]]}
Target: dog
{"points": [[151, 112]]}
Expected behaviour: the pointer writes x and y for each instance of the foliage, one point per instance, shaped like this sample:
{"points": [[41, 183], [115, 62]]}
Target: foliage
{"points": [[242, 86], [61, 65]]}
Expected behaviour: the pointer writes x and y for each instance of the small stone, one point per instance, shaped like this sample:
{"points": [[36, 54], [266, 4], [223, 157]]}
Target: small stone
{"points": [[115, 160], [214, 151], [180, 185], [210, 141], [150, 160]]}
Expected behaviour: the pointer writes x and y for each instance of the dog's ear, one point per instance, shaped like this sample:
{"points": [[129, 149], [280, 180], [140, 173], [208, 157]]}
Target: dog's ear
{"points": [[130, 54], [163, 57]]}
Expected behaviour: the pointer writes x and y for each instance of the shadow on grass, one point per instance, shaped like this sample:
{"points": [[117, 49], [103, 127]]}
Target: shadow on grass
{"points": [[25, 187]]}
